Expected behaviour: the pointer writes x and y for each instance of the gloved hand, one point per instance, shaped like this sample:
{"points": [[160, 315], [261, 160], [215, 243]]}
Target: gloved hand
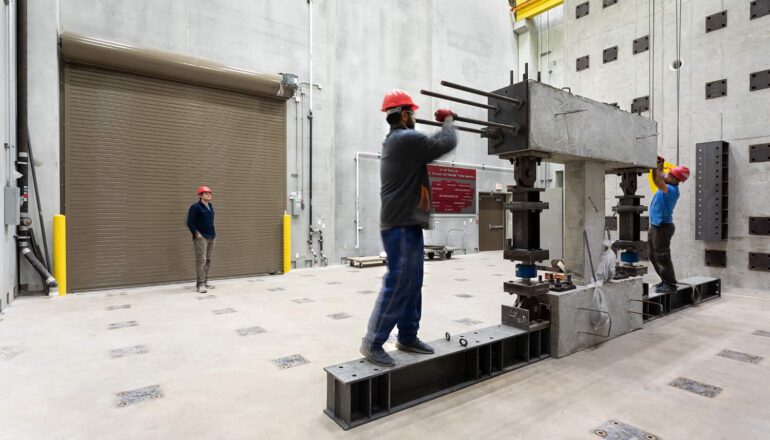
{"points": [[661, 159], [443, 113]]}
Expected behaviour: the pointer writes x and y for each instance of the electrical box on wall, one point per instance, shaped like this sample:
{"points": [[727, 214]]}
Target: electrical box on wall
{"points": [[11, 205], [295, 207]]}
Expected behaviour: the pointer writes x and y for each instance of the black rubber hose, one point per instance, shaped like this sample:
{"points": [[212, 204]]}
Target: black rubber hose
{"points": [[37, 202], [50, 281]]}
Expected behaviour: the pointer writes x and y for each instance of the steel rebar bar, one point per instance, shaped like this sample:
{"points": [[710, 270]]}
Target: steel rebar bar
{"points": [[481, 92], [439, 124], [513, 127], [460, 100]]}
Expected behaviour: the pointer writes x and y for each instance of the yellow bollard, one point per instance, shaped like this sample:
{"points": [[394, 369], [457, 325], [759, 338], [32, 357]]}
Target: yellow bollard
{"points": [[60, 252], [286, 242]]}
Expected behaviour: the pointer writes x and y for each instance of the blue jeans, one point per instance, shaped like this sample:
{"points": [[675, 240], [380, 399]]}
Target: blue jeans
{"points": [[400, 299]]}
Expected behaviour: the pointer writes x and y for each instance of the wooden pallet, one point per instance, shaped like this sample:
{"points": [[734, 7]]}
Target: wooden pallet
{"points": [[362, 262]]}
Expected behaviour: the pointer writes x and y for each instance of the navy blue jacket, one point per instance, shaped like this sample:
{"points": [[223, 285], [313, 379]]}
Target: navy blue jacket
{"points": [[201, 219]]}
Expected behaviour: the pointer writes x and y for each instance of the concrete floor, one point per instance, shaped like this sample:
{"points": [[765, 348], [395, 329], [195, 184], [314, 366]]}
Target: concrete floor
{"points": [[61, 381]]}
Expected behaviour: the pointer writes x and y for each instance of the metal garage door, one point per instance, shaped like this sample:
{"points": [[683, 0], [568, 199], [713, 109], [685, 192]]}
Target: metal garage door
{"points": [[135, 149]]}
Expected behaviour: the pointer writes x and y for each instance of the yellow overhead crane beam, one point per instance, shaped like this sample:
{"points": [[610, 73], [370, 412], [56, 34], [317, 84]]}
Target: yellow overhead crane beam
{"points": [[529, 8]]}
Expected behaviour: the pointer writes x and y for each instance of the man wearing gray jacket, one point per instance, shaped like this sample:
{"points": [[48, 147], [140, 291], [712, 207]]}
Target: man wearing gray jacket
{"points": [[405, 212]]}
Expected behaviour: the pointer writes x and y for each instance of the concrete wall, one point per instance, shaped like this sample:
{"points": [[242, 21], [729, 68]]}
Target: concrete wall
{"points": [[7, 157], [360, 50], [740, 118]]}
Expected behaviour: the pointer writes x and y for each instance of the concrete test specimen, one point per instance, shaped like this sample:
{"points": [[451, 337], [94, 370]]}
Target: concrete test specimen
{"points": [[530, 122]]}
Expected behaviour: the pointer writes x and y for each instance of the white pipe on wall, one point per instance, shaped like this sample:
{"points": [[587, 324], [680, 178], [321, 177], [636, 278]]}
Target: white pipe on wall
{"points": [[360, 154], [10, 89]]}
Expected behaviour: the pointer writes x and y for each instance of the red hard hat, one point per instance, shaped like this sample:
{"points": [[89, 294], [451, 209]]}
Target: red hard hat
{"points": [[682, 173], [398, 98], [203, 189]]}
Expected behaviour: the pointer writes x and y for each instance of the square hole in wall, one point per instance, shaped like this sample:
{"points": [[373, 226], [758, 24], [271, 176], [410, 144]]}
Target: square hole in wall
{"points": [[610, 54], [759, 8], [582, 63], [582, 10], [716, 21], [716, 89], [759, 80], [641, 44]]}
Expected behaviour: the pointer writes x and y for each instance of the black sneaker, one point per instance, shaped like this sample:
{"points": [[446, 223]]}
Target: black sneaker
{"points": [[377, 356], [415, 347]]}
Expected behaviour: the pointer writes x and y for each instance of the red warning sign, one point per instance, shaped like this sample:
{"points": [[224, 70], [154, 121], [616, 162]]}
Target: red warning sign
{"points": [[453, 189]]}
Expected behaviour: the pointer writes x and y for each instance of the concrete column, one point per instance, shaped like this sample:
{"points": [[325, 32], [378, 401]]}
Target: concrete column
{"points": [[583, 210]]}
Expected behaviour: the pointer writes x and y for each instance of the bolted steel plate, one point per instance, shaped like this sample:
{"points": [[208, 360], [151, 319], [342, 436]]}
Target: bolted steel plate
{"points": [[338, 316], [739, 356], [224, 311], [762, 333], [302, 300], [292, 361], [460, 279], [468, 321], [128, 351], [275, 289], [116, 325], [139, 395], [250, 331], [205, 297], [7, 353], [464, 295], [696, 387], [122, 306], [366, 292], [615, 430], [333, 283]]}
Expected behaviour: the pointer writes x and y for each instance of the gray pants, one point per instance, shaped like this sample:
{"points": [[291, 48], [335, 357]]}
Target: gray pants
{"points": [[659, 252], [204, 249]]}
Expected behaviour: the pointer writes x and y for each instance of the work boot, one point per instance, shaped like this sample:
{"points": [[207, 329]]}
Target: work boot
{"points": [[417, 346], [207, 285], [377, 356], [665, 288], [201, 288]]}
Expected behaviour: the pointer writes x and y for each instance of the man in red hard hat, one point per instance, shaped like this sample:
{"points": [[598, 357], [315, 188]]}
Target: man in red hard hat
{"points": [[405, 212], [662, 223], [200, 221]]}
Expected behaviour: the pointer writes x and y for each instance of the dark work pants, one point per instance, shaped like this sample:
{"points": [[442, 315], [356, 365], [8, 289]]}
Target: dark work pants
{"points": [[400, 299], [659, 252]]}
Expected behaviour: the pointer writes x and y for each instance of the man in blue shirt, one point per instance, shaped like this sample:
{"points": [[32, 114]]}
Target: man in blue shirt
{"points": [[200, 221], [662, 224]]}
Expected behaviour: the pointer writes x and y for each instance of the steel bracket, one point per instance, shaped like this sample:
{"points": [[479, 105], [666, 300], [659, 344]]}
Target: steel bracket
{"points": [[582, 10], [759, 8], [759, 80], [582, 63], [716, 89], [610, 54], [716, 258], [641, 104], [717, 21], [641, 44], [759, 153], [759, 225], [759, 261]]}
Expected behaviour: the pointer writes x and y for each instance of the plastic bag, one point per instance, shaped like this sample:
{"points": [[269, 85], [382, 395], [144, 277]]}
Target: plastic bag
{"points": [[606, 269], [599, 302], [604, 273]]}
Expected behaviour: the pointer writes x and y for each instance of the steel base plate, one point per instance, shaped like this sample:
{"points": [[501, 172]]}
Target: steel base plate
{"points": [[526, 288]]}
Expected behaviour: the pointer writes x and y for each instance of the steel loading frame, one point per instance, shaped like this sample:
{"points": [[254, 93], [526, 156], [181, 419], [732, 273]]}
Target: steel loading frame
{"points": [[529, 122]]}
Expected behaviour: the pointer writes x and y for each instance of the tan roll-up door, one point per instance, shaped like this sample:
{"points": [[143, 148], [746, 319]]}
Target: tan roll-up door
{"points": [[135, 148]]}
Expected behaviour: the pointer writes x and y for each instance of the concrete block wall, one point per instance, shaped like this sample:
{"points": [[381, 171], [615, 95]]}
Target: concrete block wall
{"points": [[360, 50], [740, 118]]}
